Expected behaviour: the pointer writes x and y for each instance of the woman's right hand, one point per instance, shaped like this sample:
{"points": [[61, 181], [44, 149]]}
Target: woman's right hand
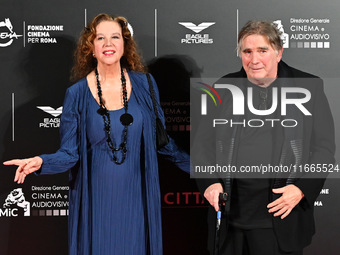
{"points": [[25, 167]]}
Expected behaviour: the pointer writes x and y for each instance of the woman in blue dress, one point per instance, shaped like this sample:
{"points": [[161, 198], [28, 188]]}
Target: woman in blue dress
{"points": [[108, 144]]}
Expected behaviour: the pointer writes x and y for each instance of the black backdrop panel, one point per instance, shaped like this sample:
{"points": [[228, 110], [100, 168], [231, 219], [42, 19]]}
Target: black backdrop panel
{"points": [[37, 39]]}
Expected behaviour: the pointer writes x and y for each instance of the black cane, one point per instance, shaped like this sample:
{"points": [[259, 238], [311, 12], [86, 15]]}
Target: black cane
{"points": [[222, 198]]}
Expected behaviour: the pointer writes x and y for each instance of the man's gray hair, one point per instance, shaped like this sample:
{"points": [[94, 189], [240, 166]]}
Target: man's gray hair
{"points": [[261, 27]]}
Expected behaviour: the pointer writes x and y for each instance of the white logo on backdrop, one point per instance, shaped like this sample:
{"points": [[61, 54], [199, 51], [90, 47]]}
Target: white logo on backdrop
{"points": [[16, 197], [130, 28], [50, 110], [198, 28], [197, 38], [284, 36], [305, 33], [5, 35]]}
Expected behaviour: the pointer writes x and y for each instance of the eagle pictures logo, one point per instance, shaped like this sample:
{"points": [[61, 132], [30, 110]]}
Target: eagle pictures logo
{"points": [[197, 38], [51, 122]]}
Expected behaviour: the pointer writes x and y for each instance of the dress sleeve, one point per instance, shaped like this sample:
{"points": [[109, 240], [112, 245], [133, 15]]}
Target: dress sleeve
{"points": [[171, 151], [68, 154]]}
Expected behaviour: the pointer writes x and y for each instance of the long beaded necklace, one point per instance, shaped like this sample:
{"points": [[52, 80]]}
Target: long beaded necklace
{"points": [[126, 119]]}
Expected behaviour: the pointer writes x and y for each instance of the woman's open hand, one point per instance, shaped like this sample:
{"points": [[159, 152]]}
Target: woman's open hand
{"points": [[25, 167]]}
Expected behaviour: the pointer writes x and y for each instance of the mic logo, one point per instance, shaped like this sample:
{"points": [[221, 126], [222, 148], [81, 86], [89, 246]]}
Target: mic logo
{"points": [[14, 203]]}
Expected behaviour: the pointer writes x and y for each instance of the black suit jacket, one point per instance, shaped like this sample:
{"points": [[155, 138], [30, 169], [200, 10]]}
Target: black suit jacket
{"points": [[318, 147]]}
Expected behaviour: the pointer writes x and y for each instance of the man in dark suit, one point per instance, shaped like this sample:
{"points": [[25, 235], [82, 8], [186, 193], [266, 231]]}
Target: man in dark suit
{"points": [[271, 214]]}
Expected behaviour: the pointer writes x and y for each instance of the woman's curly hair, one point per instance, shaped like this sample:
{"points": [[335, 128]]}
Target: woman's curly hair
{"points": [[85, 62]]}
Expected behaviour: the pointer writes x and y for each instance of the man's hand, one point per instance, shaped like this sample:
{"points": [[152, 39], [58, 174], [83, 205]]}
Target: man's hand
{"points": [[212, 194], [291, 196]]}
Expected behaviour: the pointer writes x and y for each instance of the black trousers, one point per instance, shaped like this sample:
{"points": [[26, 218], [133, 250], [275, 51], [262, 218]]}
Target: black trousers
{"points": [[253, 242]]}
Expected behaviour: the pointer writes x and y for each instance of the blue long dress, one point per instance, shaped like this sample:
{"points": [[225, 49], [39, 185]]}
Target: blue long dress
{"points": [[112, 207], [117, 211]]}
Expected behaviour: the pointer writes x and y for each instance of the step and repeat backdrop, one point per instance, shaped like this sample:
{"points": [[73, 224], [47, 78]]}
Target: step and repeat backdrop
{"points": [[179, 40]]}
